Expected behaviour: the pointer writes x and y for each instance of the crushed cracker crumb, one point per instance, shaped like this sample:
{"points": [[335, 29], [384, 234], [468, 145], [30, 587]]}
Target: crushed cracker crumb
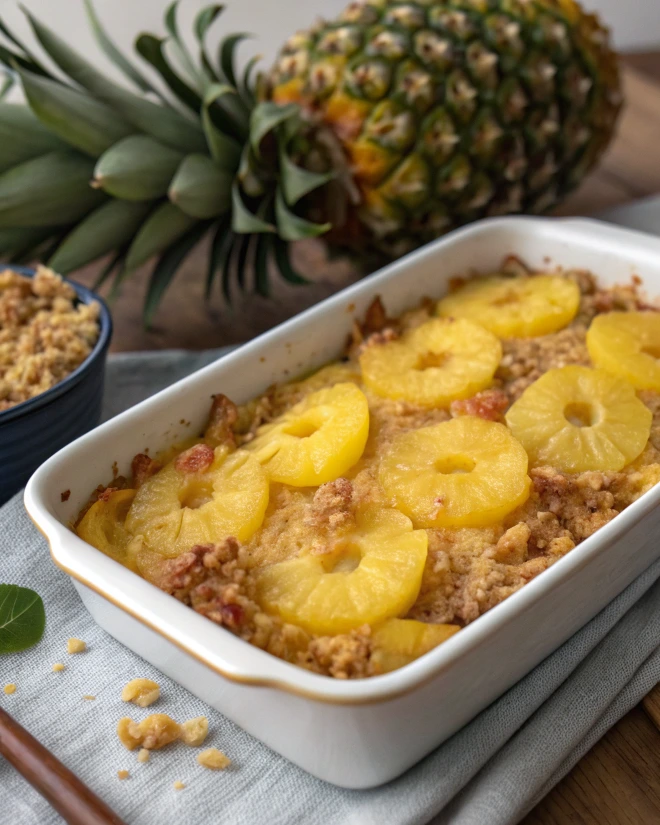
{"points": [[143, 755], [10, 688], [123, 774], [75, 646], [151, 733], [88, 696], [141, 692], [58, 667], [179, 786], [213, 759], [195, 731]]}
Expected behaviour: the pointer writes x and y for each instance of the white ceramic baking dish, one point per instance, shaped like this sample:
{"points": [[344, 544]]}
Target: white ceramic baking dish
{"points": [[356, 734]]}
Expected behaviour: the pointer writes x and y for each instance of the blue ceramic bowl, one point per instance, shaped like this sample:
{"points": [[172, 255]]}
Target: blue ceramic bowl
{"points": [[32, 431]]}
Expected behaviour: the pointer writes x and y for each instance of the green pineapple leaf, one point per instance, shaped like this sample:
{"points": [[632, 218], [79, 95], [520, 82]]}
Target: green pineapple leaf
{"points": [[49, 190], [243, 221], [166, 269], [202, 24], [25, 59], [162, 122], [244, 247], [281, 254], [225, 151], [226, 267], [18, 241], [151, 49], [205, 20], [261, 255], [74, 116], [108, 227], [227, 55], [218, 247], [115, 263], [137, 168], [6, 84], [180, 49], [164, 226], [247, 87], [290, 227], [112, 52], [200, 188], [221, 115], [23, 136], [297, 182], [265, 117]]}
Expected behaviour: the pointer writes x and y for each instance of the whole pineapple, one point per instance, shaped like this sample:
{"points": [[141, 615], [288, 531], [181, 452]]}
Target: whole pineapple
{"points": [[453, 110], [380, 131]]}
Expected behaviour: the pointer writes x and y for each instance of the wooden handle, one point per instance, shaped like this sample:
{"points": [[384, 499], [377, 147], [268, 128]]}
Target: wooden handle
{"points": [[66, 793], [651, 704]]}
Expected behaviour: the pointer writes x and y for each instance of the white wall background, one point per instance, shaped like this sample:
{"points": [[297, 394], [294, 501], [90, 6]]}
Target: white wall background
{"points": [[635, 23]]}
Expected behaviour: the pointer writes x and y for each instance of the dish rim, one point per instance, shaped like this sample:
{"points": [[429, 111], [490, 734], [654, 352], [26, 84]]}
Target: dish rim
{"points": [[87, 296], [262, 668]]}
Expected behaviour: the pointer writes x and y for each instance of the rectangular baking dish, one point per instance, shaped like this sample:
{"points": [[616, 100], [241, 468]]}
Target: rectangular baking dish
{"points": [[356, 734]]}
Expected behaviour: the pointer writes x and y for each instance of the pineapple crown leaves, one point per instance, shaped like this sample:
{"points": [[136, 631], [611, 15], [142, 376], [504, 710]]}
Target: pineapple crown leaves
{"points": [[90, 168]]}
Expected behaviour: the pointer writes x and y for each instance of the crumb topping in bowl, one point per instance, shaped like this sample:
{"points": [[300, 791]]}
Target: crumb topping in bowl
{"points": [[45, 333]]}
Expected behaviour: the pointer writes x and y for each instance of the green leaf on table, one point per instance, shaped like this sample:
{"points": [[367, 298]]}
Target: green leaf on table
{"points": [[22, 618]]}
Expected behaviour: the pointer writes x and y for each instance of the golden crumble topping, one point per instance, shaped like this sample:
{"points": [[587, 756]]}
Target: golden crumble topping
{"points": [[469, 566], [45, 333]]}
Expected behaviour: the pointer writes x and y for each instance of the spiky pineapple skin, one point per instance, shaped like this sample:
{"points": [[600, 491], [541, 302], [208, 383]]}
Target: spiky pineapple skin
{"points": [[453, 110]]}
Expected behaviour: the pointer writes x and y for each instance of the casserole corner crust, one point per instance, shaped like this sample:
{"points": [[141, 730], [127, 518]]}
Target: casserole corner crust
{"points": [[350, 521]]}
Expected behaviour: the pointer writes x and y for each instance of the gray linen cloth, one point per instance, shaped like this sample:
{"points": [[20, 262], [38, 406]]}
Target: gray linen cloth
{"points": [[490, 773]]}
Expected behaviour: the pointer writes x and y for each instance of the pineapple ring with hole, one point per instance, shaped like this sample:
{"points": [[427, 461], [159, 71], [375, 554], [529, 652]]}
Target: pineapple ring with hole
{"points": [[369, 576], [103, 525], [433, 364], [515, 307], [397, 642], [173, 511], [466, 472], [317, 440], [578, 419], [627, 344]]}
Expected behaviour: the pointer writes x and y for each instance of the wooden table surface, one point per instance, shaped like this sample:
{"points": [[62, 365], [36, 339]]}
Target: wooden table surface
{"points": [[618, 781]]}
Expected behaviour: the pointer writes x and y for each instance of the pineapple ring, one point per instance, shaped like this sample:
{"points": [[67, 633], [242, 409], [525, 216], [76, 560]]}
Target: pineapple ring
{"points": [[578, 419], [433, 364], [466, 472], [515, 307], [397, 642], [317, 440], [372, 575], [627, 344], [173, 511], [103, 525]]}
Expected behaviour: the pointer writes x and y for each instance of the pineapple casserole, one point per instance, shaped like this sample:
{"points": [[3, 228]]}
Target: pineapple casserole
{"points": [[353, 520], [45, 334]]}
